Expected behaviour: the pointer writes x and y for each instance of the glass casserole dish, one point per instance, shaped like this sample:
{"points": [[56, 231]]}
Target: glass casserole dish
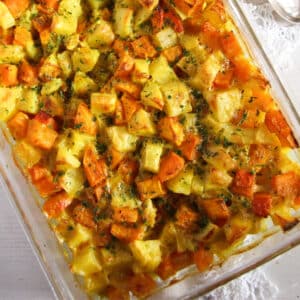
{"points": [[24, 199]]}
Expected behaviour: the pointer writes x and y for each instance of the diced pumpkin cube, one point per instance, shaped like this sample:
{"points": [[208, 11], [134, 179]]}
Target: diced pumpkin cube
{"points": [[243, 183], [203, 258], [18, 125], [150, 188], [125, 233], [56, 204], [152, 96], [141, 285], [151, 154], [230, 45], [125, 214], [129, 106], [40, 135], [171, 130], [249, 118], [143, 48], [190, 146], [147, 253], [259, 154], [177, 98], [216, 210], [141, 124], [182, 183], [103, 103], [84, 216], [28, 74], [262, 204], [128, 170], [121, 139], [186, 218], [84, 120], [172, 54], [96, 283], [125, 66], [128, 87], [170, 166], [286, 185], [95, 168], [8, 75], [86, 262]]}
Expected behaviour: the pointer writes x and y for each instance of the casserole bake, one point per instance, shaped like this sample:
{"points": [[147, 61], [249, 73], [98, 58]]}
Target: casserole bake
{"points": [[238, 127]]}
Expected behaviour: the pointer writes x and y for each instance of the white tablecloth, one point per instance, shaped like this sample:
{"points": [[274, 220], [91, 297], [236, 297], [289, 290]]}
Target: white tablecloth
{"points": [[21, 277]]}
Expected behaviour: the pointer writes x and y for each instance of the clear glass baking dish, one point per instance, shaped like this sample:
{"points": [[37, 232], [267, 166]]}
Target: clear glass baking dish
{"points": [[49, 252]]}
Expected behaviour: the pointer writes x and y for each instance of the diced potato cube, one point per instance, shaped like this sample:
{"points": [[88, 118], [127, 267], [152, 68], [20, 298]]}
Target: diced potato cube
{"points": [[141, 124], [50, 68], [8, 102], [65, 22], [83, 84], [84, 59], [51, 86], [149, 213], [177, 98], [197, 185], [6, 18], [151, 154], [96, 283], [208, 71], [72, 181], [152, 96], [77, 142], [72, 41], [103, 103], [217, 178], [121, 139], [166, 38], [140, 72], [189, 121], [147, 253], [123, 18], [142, 15], [122, 195], [96, 4], [182, 183], [100, 34], [86, 262], [225, 104], [65, 62], [11, 54], [161, 72], [115, 260], [26, 154], [80, 235], [29, 102]]}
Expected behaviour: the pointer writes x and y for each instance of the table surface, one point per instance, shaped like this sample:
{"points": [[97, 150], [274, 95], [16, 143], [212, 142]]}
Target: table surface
{"points": [[22, 278]]}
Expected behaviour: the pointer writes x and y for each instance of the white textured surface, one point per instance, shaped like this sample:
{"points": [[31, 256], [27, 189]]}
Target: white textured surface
{"points": [[22, 278]]}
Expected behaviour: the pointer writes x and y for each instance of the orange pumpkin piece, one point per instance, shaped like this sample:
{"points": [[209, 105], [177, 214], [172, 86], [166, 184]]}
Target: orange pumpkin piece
{"points": [[171, 130], [18, 125], [243, 183], [189, 146], [40, 135], [203, 258], [175, 20], [182, 6], [172, 54], [216, 210], [261, 100], [22, 36], [173, 263], [17, 7], [121, 47], [128, 170], [262, 204], [170, 166], [46, 119], [247, 118], [125, 65], [277, 124], [56, 204], [259, 154], [84, 216], [50, 4], [95, 168], [84, 120], [186, 218], [115, 157], [243, 69], [128, 87], [141, 285], [150, 188], [114, 293], [129, 106], [125, 214], [210, 35], [286, 185], [119, 118], [157, 19], [28, 74], [224, 79], [8, 75], [197, 9], [230, 45], [125, 233], [143, 48]]}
